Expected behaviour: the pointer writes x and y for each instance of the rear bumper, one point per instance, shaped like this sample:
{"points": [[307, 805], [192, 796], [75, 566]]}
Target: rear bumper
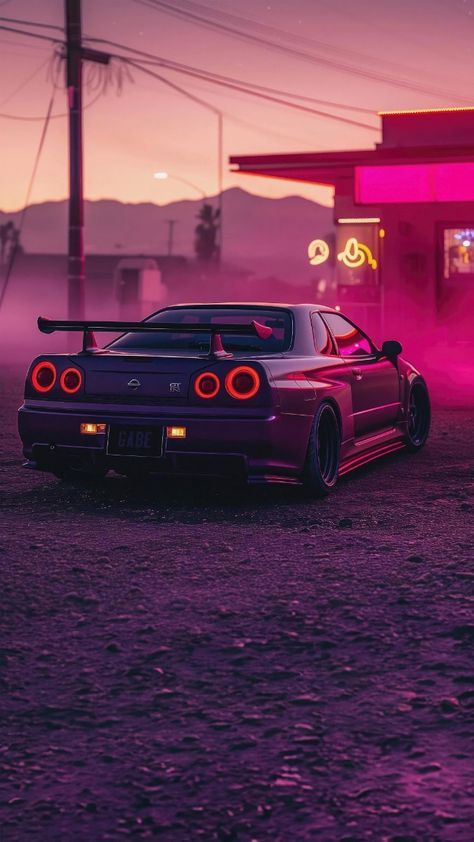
{"points": [[267, 447]]}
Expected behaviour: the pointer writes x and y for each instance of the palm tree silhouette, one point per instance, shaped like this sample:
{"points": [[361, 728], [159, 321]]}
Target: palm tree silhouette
{"points": [[9, 241], [206, 242]]}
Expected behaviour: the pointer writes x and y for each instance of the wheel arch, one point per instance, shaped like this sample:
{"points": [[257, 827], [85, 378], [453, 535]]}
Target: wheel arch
{"points": [[329, 399]]}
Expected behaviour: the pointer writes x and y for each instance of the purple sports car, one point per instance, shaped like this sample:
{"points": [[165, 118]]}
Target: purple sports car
{"points": [[270, 393]]}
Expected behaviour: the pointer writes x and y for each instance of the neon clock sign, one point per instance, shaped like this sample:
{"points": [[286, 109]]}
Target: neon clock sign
{"points": [[318, 252]]}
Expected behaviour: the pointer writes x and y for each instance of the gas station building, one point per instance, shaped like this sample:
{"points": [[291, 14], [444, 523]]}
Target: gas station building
{"points": [[403, 258]]}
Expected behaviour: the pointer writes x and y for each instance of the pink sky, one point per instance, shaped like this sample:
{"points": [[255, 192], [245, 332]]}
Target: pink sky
{"points": [[149, 127]]}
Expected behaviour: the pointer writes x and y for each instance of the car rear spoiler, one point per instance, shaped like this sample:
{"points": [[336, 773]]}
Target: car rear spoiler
{"points": [[216, 349]]}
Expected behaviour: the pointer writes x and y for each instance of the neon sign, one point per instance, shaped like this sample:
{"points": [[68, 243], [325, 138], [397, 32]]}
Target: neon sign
{"points": [[355, 254], [318, 252], [358, 220]]}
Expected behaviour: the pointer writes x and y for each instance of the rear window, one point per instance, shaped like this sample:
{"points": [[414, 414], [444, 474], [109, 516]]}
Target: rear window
{"points": [[279, 320]]}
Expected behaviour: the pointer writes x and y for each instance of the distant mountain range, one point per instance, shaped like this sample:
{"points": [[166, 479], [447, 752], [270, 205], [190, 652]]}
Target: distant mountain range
{"points": [[266, 236]]}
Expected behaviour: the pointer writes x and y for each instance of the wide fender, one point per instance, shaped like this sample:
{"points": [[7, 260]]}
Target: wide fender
{"points": [[408, 374], [339, 394]]}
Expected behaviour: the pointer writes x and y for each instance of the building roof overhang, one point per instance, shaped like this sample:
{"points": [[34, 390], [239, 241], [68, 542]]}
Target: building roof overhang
{"points": [[331, 167]]}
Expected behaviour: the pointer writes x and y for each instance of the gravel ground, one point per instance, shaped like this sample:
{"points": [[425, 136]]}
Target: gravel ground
{"points": [[190, 662]]}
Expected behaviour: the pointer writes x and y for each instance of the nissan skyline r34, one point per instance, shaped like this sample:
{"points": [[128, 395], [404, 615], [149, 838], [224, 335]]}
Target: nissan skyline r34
{"points": [[269, 393]]}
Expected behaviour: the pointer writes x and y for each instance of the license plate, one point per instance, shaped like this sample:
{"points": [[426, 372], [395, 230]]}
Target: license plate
{"points": [[135, 441]]}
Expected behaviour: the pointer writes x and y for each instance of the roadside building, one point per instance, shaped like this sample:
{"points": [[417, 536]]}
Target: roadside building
{"points": [[403, 257]]}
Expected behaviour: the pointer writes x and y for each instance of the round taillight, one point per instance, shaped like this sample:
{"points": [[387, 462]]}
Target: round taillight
{"points": [[242, 383], [207, 385], [43, 376], [71, 380]]}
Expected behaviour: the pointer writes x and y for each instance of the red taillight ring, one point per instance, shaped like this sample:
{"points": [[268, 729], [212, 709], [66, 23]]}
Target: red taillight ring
{"points": [[62, 380], [34, 376], [200, 378], [229, 383]]}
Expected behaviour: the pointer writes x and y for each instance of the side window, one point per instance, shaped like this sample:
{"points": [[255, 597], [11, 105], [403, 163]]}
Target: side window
{"points": [[323, 343], [350, 341]]}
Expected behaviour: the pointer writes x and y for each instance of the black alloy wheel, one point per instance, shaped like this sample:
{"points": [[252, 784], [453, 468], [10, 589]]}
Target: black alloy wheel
{"points": [[322, 460], [418, 416]]}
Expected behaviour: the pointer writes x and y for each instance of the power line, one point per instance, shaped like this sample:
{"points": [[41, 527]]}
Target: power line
{"points": [[173, 65], [200, 20], [151, 58], [275, 32], [177, 88], [267, 97], [33, 23], [27, 45], [225, 82], [331, 103], [205, 75], [28, 196], [31, 34], [25, 82], [28, 119]]}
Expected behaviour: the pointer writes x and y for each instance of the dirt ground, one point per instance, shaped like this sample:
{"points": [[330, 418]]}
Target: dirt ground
{"points": [[190, 662]]}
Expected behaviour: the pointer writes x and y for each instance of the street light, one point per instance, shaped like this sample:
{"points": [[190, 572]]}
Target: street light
{"points": [[162, 175]]}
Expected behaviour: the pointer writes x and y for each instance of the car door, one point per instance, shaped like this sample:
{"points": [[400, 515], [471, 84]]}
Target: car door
{"points": [[375, 381]]}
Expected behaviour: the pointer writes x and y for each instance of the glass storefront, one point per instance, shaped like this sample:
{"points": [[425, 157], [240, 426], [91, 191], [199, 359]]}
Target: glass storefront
{"points": [[458, 263]]}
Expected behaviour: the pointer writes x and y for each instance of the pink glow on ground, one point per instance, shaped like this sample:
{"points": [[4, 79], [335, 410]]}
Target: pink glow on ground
{"points": [[415, 183]]}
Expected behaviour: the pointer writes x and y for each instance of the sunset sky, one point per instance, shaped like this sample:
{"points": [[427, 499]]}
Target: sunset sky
{"points": [[146, 126]]}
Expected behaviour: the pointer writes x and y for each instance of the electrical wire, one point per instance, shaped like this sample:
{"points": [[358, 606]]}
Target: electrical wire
{"points": [[33, 23], [12, 258], [225, 82], [192, 17], [29, 119], [32, 34], [258, 94], [153, 59], [343, 106], [276, 32], [25, 82], [203, 75]]}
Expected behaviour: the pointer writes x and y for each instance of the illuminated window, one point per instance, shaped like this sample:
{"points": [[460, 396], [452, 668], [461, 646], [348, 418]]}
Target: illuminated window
{"points": [[458, 255], [357, 250]]}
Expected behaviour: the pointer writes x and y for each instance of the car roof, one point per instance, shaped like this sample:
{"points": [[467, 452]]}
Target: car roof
{"points": [[272, 304]]}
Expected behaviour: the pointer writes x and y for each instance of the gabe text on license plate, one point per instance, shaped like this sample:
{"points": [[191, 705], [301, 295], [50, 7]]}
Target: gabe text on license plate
{"points": [[135, 441]]}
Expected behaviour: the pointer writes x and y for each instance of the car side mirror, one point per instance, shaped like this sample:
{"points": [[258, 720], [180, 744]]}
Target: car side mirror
{"points": [[391, 348]]}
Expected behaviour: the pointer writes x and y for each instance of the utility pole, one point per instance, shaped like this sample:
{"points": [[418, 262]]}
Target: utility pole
{"points": [[220, 178], [76, 262], [170, 223], [74, 55]]}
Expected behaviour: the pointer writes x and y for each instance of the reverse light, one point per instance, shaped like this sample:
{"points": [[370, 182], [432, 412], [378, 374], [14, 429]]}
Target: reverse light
{"points": [[207, 385], [176, 432], [90, 429], [43, 376], [70, 380], [242, 383]]}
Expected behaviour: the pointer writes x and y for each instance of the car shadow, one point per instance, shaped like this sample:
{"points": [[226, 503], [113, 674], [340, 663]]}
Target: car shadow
{"points": [[170, 499]]}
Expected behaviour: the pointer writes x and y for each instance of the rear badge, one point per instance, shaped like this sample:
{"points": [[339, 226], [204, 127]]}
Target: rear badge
{"points": [[134, 383], [175, 387]]}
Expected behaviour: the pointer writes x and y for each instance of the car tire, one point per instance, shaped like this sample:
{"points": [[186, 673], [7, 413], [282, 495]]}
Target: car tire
{"points": [[322, 460], [418, 416]]}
